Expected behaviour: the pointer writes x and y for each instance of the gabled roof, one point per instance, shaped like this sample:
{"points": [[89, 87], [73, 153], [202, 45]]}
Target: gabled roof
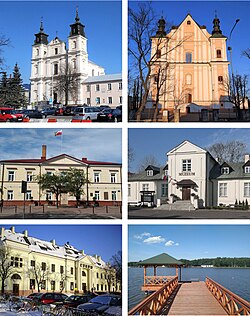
{"points": [[151, 167], [184, 143], [84, 161], [162, 259], [237, 172]]}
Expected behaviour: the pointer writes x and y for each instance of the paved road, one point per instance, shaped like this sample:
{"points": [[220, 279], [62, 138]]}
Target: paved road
{"points": [[148, 213]]}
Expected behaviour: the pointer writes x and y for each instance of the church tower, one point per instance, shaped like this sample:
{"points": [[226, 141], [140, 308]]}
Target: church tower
{"points": [[38, 70], [77, 52]]}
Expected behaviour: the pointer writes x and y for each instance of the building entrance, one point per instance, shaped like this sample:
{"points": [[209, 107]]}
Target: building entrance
{"points": [[186, 193]]}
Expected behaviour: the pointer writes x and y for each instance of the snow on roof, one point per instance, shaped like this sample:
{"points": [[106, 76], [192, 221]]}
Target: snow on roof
{"points": [[49, 247], [104, 78]]}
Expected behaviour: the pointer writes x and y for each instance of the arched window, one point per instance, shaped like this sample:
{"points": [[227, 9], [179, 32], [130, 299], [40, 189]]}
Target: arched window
{"points": [[188, 57], [188, 22], [37, 52], [74, 63], [158, 53], [188, 98], [220, 79], [56, 51], [218, 53], [188, 79]]}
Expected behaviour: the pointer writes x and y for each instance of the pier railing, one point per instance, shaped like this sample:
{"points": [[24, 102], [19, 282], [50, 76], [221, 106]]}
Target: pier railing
{"points": [[153, 304], [232, 303], [157, 280]]}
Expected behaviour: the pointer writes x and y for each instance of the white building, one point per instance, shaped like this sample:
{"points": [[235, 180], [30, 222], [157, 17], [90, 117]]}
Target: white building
{"points": [[148, 186], [55, 59], [104, 90], [195, 176]]}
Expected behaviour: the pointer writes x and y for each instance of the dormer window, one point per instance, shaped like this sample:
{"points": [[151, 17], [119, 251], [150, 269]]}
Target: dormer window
{"points": [[247, 169], [225, 170], [150, 173], [165, 172]]}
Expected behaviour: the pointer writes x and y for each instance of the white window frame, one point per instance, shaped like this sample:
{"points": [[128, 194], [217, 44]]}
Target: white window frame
{"points": [[247, 189], [225, 170], [186, 165], [49, 196], [165, 172], [110, 100], [10, 195], [30, 176], [164, 189], [223, 189], [97, 177], [97, 195], [11, 175], [120, 85], [28, 195], [247, 169], [109, 86], [150, 173], [114, 196], [97, 87], [113, 177], [145, 187]]}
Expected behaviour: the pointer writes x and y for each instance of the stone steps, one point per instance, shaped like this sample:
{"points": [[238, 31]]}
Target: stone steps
{"points": [[177, 206]]}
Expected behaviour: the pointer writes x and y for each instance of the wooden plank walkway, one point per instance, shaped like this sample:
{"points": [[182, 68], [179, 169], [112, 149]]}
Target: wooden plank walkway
{"points": [[195, 299]]}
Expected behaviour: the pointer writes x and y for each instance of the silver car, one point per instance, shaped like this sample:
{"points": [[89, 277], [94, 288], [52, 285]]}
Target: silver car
{"points": [[86, 113]]}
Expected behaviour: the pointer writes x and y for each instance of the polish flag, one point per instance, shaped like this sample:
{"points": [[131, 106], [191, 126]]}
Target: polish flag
{"points": [[58, 133]]}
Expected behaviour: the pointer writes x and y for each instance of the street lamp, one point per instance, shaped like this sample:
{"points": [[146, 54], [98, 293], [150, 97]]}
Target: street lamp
{"points": [[230, 52]]}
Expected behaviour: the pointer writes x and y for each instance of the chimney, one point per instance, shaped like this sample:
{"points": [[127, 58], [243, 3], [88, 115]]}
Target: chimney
{"points": [[84, 159], [82, 252], [247, 157], [43, 152], [53, 241], [25, 233], [2, 232], [12, 228], [99, 258]]}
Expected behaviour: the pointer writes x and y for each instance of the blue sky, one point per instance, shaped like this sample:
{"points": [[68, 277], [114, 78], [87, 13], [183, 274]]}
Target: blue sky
{"points": [[103, 240], [20, 20], [159, 141], [203, 12], [188, 241], [95, 144]]}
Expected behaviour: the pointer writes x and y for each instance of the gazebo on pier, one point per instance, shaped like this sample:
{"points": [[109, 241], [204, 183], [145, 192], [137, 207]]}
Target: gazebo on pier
{"points": [[154, 283]]}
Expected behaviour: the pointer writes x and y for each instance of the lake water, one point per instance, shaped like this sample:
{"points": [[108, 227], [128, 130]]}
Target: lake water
{"points": [[235, 280]]}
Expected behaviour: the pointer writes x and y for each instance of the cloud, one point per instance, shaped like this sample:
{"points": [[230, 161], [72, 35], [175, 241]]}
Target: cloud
{"points": [[171, 243], [154, 240], [141, 236]]}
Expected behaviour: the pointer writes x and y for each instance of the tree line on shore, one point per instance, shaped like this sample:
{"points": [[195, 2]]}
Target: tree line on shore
{"points": [[226, 262]]}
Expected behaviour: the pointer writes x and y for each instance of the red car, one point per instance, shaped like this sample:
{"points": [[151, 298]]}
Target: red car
{"points": [[6, 115], [52, 297]]}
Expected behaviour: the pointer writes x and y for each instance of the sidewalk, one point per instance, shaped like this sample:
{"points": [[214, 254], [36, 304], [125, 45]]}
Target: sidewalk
{"points": [[35, 212]]}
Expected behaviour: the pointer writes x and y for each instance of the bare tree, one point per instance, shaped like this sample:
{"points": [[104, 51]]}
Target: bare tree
{"points": [[67, 83], [246, 53], [3, 42], [148, 160], [39, 272], [116, 264], [231, 151], [142, 28], [7, 267], [237, 89], [110, 277]]}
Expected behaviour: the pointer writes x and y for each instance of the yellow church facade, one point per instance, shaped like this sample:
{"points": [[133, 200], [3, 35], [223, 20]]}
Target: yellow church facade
{"points": [[189, 67]]}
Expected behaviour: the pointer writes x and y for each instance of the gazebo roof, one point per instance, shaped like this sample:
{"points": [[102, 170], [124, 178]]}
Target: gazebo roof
{"points": [[159, 260]]}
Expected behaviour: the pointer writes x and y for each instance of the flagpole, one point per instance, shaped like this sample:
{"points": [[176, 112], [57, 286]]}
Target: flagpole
{"points": [[61, 142]]}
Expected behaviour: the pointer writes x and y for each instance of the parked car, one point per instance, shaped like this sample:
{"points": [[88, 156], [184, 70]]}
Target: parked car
{"points": [[19, 115], [48, 111], [34, 114], [101, 303], [103, 107], [68, 110], [6, 115], [59, 111], [35, 296], [75, 300], [86, 113], [51, 297], [110, 115]]}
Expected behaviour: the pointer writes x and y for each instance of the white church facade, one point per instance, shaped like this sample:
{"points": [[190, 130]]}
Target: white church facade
{"points": [[59, 69], [194, 175]]}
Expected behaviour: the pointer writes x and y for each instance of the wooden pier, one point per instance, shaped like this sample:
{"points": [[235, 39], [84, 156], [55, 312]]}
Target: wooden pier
{"points": [[192, 298]]}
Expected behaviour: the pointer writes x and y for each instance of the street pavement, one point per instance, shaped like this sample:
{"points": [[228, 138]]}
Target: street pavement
{"points": [[154, 213], [51, 212]]}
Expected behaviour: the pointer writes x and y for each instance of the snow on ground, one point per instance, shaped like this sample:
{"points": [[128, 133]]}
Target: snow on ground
{"points": [[5, 310]]}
